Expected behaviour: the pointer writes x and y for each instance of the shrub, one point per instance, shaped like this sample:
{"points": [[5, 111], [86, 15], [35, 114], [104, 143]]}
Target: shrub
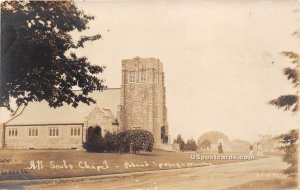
{"points": [[95, 144], [128, 141], [110, 142], [140, 140]]}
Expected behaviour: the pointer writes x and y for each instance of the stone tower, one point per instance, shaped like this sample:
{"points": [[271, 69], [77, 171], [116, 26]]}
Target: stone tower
{"points": [[143, 98]]}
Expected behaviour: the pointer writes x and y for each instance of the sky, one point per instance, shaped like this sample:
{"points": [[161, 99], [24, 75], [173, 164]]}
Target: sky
{"points": [[217, 58]]}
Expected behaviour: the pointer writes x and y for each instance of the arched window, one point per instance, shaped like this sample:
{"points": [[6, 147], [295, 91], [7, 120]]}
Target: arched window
{"points": [[71, 131], [29, 132], [78, 133]]}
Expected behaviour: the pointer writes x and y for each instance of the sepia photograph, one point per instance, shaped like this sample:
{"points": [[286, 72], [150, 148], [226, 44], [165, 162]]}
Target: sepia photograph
{"points": [[149, 94]]}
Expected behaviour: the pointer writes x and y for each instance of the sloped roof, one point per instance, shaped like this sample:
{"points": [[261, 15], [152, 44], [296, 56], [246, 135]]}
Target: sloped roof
{"points": [[41, 113], [108, 99]]}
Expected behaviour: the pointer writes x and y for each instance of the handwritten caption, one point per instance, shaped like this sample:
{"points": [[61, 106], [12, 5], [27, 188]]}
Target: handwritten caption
{"points": [[104, 165]]}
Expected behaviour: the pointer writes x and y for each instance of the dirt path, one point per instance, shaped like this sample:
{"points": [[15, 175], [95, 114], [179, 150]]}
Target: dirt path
{"points": [[206, 178]]}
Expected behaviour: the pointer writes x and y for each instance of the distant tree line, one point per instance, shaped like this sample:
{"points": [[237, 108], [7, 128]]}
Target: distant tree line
{"points": [[189, 145], [131, 141]]}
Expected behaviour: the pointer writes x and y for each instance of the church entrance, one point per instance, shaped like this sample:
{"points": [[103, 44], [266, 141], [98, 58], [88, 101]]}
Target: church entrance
{"points": [[94, 133], [94, 139], [163, 136]]}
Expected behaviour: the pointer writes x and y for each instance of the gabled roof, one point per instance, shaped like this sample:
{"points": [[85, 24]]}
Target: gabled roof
{"points": [[108, 99], [40, 113]]}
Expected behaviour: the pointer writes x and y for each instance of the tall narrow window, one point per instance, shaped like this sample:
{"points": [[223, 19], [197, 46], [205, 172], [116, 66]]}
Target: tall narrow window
{"points": [[131, 76], [53, 132], [75, 131], [33, 132], [12, 132], [143, 76]]}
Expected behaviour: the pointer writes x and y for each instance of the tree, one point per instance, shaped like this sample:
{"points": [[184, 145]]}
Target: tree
{"points": [[290, 101], [179, 140], [38, 61], [191, 145], [205, 144], [289, 141], [214, 137]]}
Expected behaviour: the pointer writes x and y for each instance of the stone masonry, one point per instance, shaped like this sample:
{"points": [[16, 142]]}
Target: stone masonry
{"points": [[143, 102]]}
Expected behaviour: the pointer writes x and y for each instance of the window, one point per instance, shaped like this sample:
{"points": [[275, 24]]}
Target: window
{"points": [[53, 132], [75, 131], [33, 132], [12, 132], [143, 76], [131, 76]]}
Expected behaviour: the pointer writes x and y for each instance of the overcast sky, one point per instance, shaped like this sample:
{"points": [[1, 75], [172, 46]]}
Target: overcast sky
{"points": [[217, 58]]}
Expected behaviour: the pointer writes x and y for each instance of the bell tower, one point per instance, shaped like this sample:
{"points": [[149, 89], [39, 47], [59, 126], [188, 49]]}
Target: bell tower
{"points": [[143, 100]]}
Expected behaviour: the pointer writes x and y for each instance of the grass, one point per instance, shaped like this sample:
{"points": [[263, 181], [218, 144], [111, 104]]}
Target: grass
{"points": [[117, 163]]}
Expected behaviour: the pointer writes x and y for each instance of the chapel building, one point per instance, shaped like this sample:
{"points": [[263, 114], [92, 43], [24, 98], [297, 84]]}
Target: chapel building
{"points": [[140, 103]]}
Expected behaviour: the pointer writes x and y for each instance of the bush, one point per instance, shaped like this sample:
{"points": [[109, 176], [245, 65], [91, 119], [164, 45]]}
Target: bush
{"points": [[94, 144], [110, 142], [128, 141], [140, 140], [135, 141]]}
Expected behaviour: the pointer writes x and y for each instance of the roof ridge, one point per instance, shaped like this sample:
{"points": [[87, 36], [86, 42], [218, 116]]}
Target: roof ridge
{"points": [[15, 116]]}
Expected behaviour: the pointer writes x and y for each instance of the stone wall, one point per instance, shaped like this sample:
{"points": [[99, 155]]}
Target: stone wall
{"points": [[21, 138], [43, 140], [143, 101], [98, 118]]}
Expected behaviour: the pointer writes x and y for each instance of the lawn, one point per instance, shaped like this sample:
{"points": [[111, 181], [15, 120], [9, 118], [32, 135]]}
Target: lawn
{"points": [[42, 164]]}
